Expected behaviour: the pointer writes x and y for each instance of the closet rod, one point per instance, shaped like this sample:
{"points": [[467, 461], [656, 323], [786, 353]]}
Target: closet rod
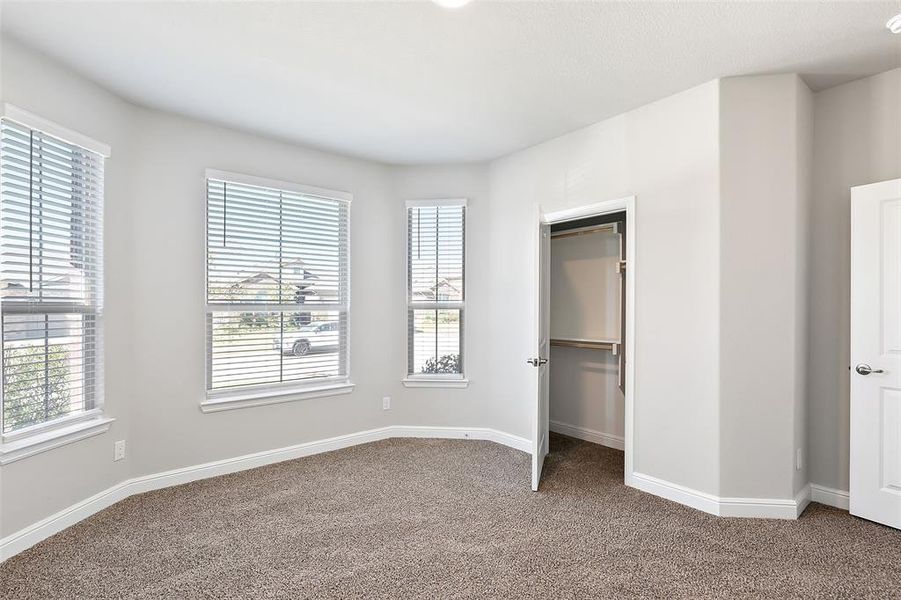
{"points": [[611, 345], [606, 227]]}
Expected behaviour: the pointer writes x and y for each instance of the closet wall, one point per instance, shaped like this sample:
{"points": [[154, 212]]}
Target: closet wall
{"points": [[585, 399]]}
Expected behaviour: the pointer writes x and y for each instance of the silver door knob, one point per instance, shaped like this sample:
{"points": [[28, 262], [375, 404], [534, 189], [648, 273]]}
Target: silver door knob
{"points": [[863, 369]]}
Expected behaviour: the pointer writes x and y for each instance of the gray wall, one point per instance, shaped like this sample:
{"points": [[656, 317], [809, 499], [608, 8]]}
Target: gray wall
{"points": [[36, 487], [666, 153], [857, 140], [154, 294], [764, 134], [585, 303]]}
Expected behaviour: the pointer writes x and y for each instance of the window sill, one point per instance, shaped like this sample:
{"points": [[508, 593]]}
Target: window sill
{"points": [[424, 382], [265, 397], [48, 440]]}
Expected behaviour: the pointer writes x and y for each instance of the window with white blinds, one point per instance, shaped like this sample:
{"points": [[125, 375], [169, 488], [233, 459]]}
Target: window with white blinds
{"points": [[277, 285], [51, 209], [435, 288]]}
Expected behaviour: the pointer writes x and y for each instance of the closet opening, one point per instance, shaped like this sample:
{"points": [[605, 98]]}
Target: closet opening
{"points": [[585, 336], [588, 267]]}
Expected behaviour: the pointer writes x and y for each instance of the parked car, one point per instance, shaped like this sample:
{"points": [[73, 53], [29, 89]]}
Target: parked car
{"points": [[309, 338]]}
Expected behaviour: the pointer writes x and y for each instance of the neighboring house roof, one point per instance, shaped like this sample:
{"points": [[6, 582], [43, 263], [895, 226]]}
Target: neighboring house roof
{"points": [[293, 272], [444, 287]]}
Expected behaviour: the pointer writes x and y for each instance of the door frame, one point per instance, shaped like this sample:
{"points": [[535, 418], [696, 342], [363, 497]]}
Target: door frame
{"points": [[625, 204]]}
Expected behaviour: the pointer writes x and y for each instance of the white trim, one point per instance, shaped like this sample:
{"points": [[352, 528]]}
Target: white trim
{"points": [[426, 382], [53, 438], [33, 121], [410, 379], [31, 535], [590, 210], [277, 184], [436, 202], [756, 508], [257, 397], [52, 425], [463, 433], [589, 435], [625, 204], [830, 496], [262, 395], [38, 532], [675, 492], [802, 499]]}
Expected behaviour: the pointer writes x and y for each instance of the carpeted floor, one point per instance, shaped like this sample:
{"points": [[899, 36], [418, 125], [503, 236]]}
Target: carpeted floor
{"points": [[447, 519]]}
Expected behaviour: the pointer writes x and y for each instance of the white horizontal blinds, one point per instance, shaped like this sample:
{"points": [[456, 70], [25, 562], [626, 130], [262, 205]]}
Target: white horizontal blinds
{"points": [[51, 208], [277, 286], [435, 288]]}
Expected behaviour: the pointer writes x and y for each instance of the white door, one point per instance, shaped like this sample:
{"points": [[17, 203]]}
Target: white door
{"points": [[539, 360], [876, 352]]}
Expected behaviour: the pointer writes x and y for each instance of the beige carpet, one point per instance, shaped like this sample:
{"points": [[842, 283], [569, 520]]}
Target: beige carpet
{"points": [[448, 519]]}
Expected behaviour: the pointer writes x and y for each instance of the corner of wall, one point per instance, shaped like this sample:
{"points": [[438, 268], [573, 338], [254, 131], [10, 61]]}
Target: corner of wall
{"points": [[763, 286]]}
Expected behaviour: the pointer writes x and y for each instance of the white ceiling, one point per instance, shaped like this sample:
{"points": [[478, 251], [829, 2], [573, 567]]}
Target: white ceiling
{"points": [[410, 82]]}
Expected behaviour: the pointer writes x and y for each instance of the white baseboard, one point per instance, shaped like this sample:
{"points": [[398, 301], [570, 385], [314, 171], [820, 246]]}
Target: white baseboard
{"points": [[758, 508], [829, 496], [469, 433], [31, 535], [589, 435]]}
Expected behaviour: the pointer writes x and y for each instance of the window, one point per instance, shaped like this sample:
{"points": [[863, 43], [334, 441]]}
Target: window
{"points": [[435, 289], [277, 286], [51, 209]]}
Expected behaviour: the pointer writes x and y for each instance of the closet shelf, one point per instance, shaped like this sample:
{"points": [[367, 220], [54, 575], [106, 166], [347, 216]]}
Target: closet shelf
{"points": [[604, 228], [612, 345]]}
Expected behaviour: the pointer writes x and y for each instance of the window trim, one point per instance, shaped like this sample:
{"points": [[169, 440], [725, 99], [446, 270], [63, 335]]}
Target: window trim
{"points": [[434, 380], [40, 437], [279, 392], [33, 121], [44, 437]]}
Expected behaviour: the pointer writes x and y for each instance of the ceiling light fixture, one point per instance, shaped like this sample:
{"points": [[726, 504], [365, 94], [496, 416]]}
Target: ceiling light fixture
{"points": [[451, 3], [894, 24]]}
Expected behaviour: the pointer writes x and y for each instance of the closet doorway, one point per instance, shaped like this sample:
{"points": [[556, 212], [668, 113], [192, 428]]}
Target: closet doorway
{"points": [[583, 360]]}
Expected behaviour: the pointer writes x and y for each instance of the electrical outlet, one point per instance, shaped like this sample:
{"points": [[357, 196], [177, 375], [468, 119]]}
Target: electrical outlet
{"points": [[386, 403], [119, 450], [798, 459]]}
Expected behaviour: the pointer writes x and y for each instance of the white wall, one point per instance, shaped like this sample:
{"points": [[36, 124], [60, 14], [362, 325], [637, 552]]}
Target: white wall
{"points": [[38, 486], [585, 287], [155, 305], [446, 407], [763, 276], [857, 140], [585, 303], [666, 154], [167, 275]]}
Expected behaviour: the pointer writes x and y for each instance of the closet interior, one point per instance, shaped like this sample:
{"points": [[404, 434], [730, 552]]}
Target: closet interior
{"points": [[587, 324]]}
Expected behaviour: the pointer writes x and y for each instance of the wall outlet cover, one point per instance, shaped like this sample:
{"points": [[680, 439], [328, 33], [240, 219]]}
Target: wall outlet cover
{"points": [[119, 450]]}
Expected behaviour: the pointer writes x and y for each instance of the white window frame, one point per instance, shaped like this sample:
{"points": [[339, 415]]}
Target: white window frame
{"points": [[435, 380], [274, 393], [74, 427]]}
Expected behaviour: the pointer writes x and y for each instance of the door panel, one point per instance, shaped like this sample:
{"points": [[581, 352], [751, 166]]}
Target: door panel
{"points": [[891, 440], [876, 347], [541, 429]]}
